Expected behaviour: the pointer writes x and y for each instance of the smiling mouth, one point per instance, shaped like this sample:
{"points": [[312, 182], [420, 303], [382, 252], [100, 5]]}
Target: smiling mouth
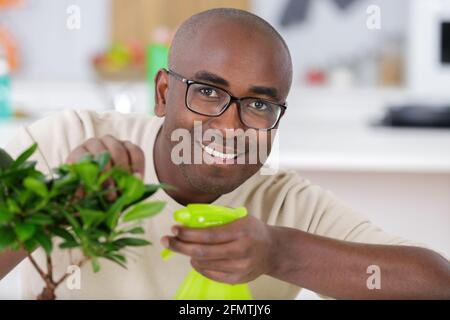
{"points": [[217, 154], [213, 150]]}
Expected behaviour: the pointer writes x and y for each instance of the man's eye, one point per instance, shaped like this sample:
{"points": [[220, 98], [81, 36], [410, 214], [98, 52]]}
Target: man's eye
{"points": [[259, 106], [208, 92]]}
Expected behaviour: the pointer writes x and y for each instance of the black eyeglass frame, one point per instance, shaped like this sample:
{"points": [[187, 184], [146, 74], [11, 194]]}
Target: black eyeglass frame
{"points": [[189, 82]]}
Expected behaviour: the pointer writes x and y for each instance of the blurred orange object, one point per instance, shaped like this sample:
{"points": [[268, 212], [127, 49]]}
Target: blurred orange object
{"points": [[10, 47], [6, 40], [9, 3]]}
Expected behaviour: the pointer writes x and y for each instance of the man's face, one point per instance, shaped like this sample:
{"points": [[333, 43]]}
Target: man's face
{"points": [[243, 63]]}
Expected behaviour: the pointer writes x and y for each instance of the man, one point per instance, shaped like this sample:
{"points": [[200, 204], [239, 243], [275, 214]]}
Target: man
{"points": [[296, 235]]}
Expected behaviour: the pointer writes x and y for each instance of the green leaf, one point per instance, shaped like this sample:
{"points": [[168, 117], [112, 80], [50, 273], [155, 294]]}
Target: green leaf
{"points": [[41, 204], [7, 237], [143, 210], [112, 216], [133, 188], [24, 231], [136, 230], [62, 233], [72, 222], [149, 190], [24, 156], [13, 206], [63, 181], [62, 169], [102, 159], [15, 246], [25, 169], [5, 215], [91, 217], [104, 176], [88, 173], [45, 241], [117, 258], [87, 158], [95, 265], [24, 197], [5, 160], [30, 245], [36, 186], [69, 245], [40, 219], [132, 242]]}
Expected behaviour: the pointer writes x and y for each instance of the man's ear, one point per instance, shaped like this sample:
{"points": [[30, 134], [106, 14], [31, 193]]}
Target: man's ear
{"points": [[161, 88]]}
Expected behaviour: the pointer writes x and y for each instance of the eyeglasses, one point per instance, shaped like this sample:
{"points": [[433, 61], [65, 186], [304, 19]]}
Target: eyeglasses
{"points": [[209, 100]]}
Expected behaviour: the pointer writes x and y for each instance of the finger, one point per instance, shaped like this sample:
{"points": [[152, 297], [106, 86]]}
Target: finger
{"points": [[95, 146], [223, 277], [77, 154], [137, 158], [220, 234], [214, 275], [223, 265], [119, 155], [200, 251]]}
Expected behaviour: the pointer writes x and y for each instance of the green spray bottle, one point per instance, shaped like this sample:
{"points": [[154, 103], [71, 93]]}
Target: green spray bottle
{"points": [[195, 286]]}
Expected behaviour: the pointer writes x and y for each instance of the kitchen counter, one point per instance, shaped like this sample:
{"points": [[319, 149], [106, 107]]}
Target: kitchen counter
{"points": [[311, 141]]}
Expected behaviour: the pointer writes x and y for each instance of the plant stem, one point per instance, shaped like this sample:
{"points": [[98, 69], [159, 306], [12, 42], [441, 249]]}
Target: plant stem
{"points": [[36, 266], [48, 292], [49, 268]]}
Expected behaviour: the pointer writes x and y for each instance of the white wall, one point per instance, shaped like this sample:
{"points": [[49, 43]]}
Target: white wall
{"points": [[330, 35], [48, 49]]}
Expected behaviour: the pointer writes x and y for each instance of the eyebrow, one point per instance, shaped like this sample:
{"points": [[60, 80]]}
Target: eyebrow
{"points": [[218, 80], [211, 77], [267, 91]]}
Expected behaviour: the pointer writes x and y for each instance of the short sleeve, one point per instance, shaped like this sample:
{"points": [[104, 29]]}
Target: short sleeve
{"points": [[55, 136]]}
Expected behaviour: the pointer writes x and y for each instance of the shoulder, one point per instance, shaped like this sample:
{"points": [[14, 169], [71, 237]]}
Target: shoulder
{"points": [[59, 133], [89, 123]]}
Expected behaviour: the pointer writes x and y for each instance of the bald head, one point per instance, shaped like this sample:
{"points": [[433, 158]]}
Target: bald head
{"points": [[232, 28]]}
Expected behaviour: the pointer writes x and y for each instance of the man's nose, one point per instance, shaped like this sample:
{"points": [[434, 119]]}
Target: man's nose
{"points": [[228, 120]]}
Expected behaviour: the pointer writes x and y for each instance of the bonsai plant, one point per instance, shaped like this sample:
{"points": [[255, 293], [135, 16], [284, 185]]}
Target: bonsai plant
{"points": [[73, 205]]}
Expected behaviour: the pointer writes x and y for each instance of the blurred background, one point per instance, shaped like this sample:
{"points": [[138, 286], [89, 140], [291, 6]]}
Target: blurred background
{"points": [[368, 114]]}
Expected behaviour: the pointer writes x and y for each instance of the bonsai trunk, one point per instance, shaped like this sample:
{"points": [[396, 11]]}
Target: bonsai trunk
{"points": [[48, 292]]}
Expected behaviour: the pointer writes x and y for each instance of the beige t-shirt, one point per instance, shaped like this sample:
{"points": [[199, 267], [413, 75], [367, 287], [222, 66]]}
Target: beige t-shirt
{"points": [[283, 199]]}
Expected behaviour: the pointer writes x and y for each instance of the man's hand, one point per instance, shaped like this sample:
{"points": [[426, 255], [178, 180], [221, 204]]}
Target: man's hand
{"points": [[238, 252], [124, 154]]}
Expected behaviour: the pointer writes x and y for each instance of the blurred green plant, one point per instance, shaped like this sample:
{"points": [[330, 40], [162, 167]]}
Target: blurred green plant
{"points": [[72, 206]]}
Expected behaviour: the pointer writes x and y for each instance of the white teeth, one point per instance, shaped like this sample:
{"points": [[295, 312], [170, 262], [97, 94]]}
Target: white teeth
{"points": [[218, 154]]}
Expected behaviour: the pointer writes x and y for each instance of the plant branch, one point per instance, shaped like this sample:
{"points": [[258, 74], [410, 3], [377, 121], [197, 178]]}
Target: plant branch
{"points": [[38, 269], [49, 268]]}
